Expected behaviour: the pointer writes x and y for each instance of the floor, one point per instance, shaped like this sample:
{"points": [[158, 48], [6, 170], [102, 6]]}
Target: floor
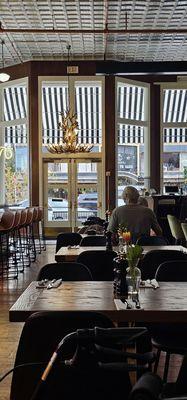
{"points": [[10, 331]]}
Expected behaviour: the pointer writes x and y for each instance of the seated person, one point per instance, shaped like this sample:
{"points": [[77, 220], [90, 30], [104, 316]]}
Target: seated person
{"points": [[137, 218]]}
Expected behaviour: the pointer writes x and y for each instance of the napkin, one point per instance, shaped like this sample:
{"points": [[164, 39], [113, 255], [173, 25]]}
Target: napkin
{"points": [[149, 283]]}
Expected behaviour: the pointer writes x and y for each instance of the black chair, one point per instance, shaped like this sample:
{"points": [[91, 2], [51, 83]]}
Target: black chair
{"points": [[172, 271], [68, 271], [169, 338], [152, 241], [154, 258], [93, 240], [100, 263], [40, 336], [91, 371], [68, 239]]}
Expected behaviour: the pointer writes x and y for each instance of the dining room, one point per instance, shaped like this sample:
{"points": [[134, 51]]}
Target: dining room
{"points": [[93, 101]]}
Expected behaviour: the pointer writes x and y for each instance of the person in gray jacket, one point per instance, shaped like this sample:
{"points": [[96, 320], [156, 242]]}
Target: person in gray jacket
{"points": [[136, 218]]}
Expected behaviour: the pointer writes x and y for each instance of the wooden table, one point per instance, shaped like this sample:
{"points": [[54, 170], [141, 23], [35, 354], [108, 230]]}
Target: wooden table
{"points": [[167, 303], [71, 254]]}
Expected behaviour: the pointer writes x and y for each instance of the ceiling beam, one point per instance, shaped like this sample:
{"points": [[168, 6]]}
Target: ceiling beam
{"points": [[95, 31]]}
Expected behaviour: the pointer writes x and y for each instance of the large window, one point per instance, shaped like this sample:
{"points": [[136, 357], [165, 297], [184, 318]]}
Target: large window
{"points": [[14, 144], [132, 135], [87, 104], [174, 136]]}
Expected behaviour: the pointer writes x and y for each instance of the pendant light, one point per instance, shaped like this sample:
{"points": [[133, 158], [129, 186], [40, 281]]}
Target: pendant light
{"points": [[3, 76]]}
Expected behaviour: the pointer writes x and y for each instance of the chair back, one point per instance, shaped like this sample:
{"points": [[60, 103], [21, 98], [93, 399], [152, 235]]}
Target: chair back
{"points": [[68, 271], [184, 228], [172, 271], [93, 240], [67, 239], [100, 263], [40, 336], [154, 258], [175, 227], [152, 241]]}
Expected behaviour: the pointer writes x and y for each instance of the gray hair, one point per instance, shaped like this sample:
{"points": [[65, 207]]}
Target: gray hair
{"points": [[130, 194]]}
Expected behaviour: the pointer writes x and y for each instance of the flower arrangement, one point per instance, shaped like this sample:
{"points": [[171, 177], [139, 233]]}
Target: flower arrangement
{"points": [[133, 255], [124, 233]]}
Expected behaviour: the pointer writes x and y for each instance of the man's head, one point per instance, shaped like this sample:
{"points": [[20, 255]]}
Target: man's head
{"points": [[130, 195]]}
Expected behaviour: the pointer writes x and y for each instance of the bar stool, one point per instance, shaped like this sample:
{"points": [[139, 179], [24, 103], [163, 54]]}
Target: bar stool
{"points": [[23, 238], [42, 241], [17, 242], [29, 235], [6, 225]]}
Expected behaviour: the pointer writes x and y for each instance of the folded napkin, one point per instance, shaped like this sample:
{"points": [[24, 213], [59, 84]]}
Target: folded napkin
{"points": [[149, 283]]}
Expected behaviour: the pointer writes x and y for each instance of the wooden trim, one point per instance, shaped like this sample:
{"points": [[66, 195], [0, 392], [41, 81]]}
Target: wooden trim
{"points": [[155, 137], [110, 163], [33, 140]]}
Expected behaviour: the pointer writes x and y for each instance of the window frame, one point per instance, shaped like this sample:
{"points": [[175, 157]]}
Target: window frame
{"points": [[180, 84], [126, 121]]}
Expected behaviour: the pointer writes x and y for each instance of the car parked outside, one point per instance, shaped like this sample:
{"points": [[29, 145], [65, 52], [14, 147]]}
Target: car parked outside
{"points": [[88, 200], [59, 210]]}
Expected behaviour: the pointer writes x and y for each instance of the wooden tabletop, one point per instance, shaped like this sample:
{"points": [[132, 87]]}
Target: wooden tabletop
{"points": [[71, 254], [167, 303]]}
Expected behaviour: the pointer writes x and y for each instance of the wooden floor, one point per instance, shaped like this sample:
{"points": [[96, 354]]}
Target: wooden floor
{"points": [[10, 290]]}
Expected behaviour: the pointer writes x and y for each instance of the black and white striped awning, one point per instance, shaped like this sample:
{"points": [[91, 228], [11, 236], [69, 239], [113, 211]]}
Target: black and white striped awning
{"points": [[87, 106], [88, 103], [15, 103], [130, 134], [15, 108], [130, 102], [175, 105]]}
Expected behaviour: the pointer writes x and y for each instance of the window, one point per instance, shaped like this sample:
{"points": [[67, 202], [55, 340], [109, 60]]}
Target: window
{"points": [[174, 135], [88, 107], [14, 138], [132, 135]]}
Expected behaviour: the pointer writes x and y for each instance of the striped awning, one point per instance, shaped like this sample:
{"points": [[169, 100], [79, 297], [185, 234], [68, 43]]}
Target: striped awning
{"points": [[15, 103], [88, 107], [175, 105], [130, 134], [130, 102]]}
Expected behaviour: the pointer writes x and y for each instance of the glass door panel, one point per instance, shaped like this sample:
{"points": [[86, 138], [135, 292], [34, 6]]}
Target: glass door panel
{"points": [[87, 190], [57, 194], [72, 192]]}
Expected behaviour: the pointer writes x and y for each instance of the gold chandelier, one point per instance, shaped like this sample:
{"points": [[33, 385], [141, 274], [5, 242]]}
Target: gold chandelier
{"points": [[69, 126], [68, 141]]}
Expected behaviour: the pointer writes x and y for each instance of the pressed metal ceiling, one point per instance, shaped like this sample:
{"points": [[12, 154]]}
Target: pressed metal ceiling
{"points": [[123, 30]]}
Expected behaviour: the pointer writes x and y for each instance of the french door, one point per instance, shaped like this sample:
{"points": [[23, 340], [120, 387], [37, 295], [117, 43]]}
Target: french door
{"points": [[72, 191]]}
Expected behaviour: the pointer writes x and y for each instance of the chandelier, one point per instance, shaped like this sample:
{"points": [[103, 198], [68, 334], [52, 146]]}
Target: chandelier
{"points": [[68, 142]]}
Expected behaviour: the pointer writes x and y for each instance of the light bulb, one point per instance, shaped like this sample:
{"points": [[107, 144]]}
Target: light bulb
{"points": [[4, 77]]}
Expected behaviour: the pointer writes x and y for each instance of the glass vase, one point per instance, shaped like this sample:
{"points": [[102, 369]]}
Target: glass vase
{"points": [[133, 278]]}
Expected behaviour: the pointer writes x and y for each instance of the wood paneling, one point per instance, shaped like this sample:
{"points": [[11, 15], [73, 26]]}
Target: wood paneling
{"points": [[155, 137], [33, 140], [110, 138]]}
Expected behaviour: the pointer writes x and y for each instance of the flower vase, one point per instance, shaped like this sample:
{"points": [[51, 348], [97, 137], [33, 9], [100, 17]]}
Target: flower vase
{"points": [[133, 278]]}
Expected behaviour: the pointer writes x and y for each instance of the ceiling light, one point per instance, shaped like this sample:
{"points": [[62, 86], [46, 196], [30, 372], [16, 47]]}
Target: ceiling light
{"points": [[3, 76]]}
